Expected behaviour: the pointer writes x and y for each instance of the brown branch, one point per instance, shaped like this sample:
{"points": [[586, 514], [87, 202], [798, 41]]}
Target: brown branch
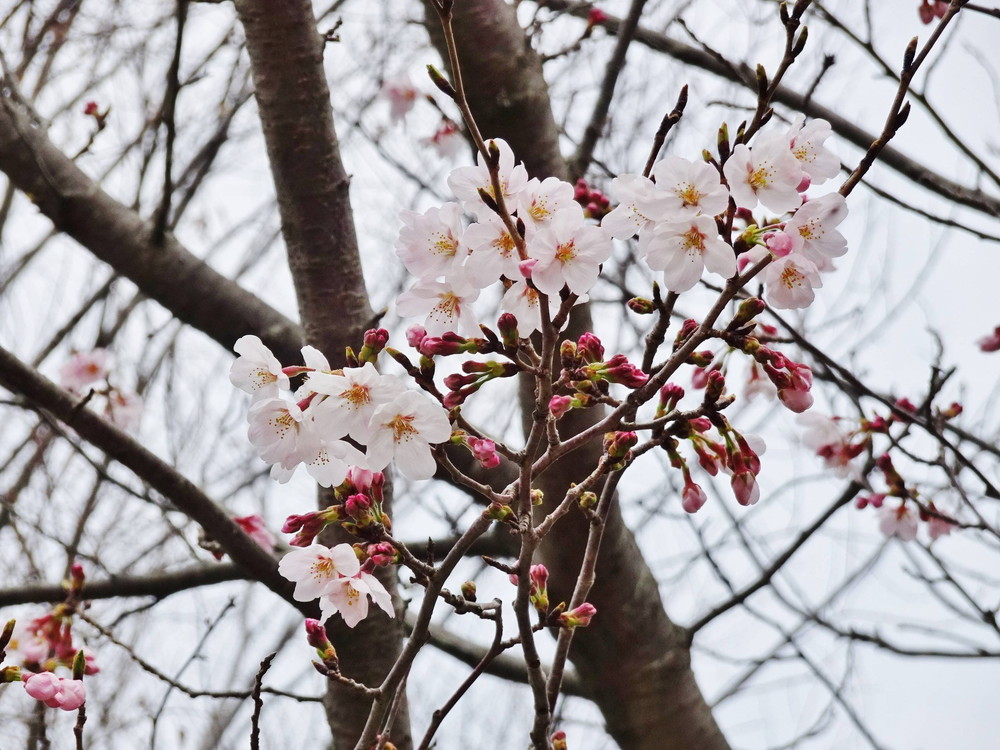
{"points": [[169, 274], [182, 493]]}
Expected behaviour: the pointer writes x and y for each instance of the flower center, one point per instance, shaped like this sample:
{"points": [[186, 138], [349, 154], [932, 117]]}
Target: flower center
{"points": [[357, 396], [688, 194], [445, 244], [791, 277], [539, 211], [760, 177], [566, 252], [693, 240], [505, 244], [402, 428], [323, 568]]}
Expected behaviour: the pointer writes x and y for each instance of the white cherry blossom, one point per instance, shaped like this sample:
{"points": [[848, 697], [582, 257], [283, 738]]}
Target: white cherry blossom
{"points": [[349, 596], [492, 253], [789, 282], [315, 568], [280, 433], [690, 187], [465, 182], [684, 249], [256, 371], [767, 173], [328, 463], [404, 430], [430, 244], [569, 251], [447, 306], [539, 201], [812, 228], [806, 143], [351, 399], [640, 204], [84, 368], [524, 303]]}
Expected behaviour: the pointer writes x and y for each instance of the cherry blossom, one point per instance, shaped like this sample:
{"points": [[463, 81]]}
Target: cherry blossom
{"points": [[448, 306], [806, 143], [690, 188], [492, 252], [790, 282], [640, 204], [349, 596], [430, 243], [768, 173], [825, 436], [123, 409], [279, 432], [255, 528], [402, 95], [812, 228], [466, 182], [683, 249], [540, 200], [403, 430], [351, 399], [899, 521], [84, 368], [315, 567], [569, 252], [256, 371], [447, 140], [524, 303]]}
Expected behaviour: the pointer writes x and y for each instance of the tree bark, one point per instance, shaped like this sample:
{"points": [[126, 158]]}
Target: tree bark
{"points": [[293, 98]]}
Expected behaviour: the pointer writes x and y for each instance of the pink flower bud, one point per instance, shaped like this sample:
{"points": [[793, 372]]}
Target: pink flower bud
{"points": [[693, 497], [745, 488], [579, 617], [670, 395], [254, 527], [526, 266], [779, 243], [589, 348], [926, 12], [56, 692], [990, 343], [559, 405], [619, 370], [381, 553], [414, 335], [805, 183], [596, 17]]}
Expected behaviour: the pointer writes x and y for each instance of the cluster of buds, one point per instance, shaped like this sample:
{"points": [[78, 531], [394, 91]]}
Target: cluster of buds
{"points": [[734, 455], [618, 448], [586, 374], [792, 379], [595, 203], [317, 638], [482, 449], [474, 376], [359, 506], [372, 345], [538, 591]]}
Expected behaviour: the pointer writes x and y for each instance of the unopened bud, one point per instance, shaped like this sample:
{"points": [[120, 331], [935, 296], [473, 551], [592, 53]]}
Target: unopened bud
{"points": [[588, 499], [579, 617], [469, 591], [641, 306]]}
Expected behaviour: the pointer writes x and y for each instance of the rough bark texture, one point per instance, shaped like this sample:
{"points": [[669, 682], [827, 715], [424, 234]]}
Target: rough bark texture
{"points": [[286, 54], [168, 273], [632, 657]]}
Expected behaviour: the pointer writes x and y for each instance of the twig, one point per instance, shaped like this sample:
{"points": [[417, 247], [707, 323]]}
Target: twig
{"points": [[258, 703]]}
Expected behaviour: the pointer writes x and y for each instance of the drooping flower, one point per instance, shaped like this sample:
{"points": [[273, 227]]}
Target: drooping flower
{"points": [[690, 188], [84, 368], [790, 281], [123, 409], [280, 433], [683, 249], [349, 596], [315, 567], [768, 173], [430, 244], [257, 530], [447, 306], [256, 371], [899, 521], [569, 252], [404, 430]]}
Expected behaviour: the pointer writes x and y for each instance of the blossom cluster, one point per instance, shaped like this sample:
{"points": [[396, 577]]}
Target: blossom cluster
{"points": [[45, 644], [90, 370], [323, 421], [335, 577]]}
